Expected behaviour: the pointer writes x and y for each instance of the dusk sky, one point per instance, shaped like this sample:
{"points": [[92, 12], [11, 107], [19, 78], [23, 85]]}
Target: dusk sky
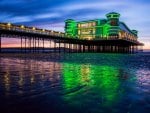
{"points": [[50, 14]]}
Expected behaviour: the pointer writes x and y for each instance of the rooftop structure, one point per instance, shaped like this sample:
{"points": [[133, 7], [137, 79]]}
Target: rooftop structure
{"points": [[111, 27]]}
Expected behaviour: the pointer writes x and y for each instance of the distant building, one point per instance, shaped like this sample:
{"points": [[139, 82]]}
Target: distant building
{"points": [[99, 28]]}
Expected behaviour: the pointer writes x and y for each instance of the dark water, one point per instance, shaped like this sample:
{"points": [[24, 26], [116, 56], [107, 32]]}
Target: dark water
{"points": [[75, 83]]}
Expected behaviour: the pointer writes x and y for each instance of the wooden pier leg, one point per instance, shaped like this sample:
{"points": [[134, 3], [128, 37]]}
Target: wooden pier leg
{"points": [[116, 49], [88, 48], [25, 45], [49, 45], [136, 48], [75, 48], [0, 43], [21, 44], [97, 48], [79, 48], [111, 49], [59, 45], [83, 48], [38, 45], [43, 45], [92, 48], [103, 48], [54, 46], [72, 47], [128, 49], [69, 48], [64, 47], [35, 45], [120, 49], [132, 49], [30, 44]]}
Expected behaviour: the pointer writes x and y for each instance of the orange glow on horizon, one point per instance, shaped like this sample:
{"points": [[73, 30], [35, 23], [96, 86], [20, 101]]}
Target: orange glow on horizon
{"points": [[12, 42]]}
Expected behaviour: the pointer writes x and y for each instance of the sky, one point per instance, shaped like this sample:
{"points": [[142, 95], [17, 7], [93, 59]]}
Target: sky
{"points": [[51, 14]]}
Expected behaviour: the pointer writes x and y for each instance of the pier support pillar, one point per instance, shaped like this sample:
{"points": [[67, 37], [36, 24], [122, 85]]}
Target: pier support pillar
{"points": [[30, 44], [79, 48], [49, 45], [38, 45], [69, 47], [83, 48], [43, 45], [88, 48], [0, 43], [35, 45], [25, 45], [59, 46], [64, 47], [21, 44], [54, 46]]}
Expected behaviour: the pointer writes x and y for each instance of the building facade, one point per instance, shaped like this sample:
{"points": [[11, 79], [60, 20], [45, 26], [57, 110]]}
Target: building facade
{"points": [[109, 28]]}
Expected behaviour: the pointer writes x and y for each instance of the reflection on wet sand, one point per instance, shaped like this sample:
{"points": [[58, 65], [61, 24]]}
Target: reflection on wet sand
{"points": [[24, 74], [100, 81], [74, 83]]}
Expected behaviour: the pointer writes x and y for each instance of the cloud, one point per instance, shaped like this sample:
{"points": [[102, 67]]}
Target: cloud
{"points": [[46, 15], [18, 19]]}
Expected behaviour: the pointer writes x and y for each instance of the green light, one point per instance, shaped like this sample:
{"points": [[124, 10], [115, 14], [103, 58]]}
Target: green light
{"points": [[79, 81], [102, 28], [70, 28]]}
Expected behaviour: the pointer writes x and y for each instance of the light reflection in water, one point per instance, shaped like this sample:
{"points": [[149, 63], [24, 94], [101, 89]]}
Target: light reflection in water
{"points": [[27, 76], [7, 81], [81, 80], [143, 80], [83, 83]]}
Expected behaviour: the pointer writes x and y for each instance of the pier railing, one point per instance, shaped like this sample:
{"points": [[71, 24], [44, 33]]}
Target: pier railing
{"points": [[22, 28], [34, 30]]}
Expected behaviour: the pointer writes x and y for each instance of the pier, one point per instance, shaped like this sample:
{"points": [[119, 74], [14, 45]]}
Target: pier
{"points": [[32, 40]]}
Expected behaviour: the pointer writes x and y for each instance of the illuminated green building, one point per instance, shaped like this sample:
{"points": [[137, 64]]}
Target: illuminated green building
{"points": [[107, 28]]}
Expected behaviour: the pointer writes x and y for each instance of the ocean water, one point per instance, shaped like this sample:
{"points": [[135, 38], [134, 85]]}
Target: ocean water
{"points": [[75, 83]]}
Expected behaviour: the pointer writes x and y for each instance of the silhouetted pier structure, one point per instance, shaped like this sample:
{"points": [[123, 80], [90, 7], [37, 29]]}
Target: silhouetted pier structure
{"points": [[33, 40]]}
